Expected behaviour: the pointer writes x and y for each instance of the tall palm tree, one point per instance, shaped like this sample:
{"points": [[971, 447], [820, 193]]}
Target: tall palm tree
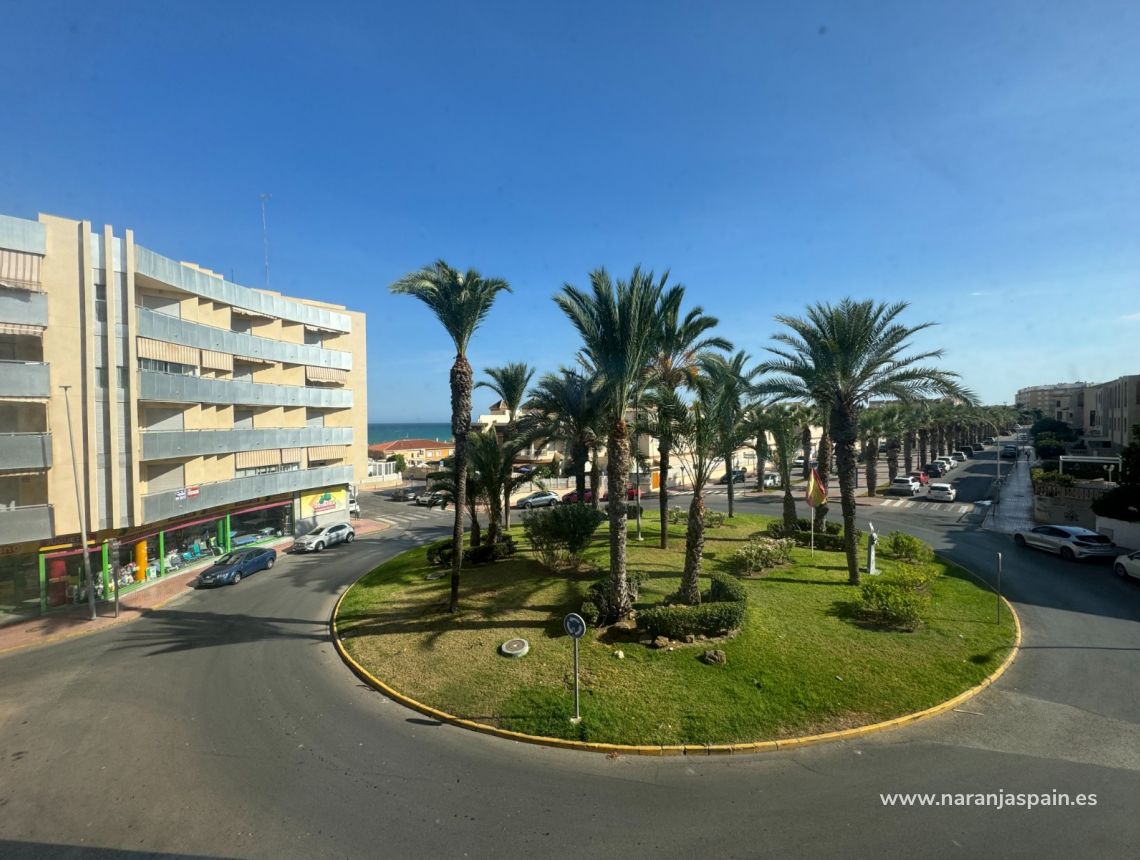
{"points": [[870, 430], [756, 429], [783, 421], [492, 459], [840, 356], [564, 406], [662, 419], [682, 341], [617, 324], [460, 301], [509, 382], [731, 380], [893, 429]]}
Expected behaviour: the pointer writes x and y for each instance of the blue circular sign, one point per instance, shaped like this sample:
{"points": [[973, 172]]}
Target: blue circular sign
{"points": [[574, 625]]}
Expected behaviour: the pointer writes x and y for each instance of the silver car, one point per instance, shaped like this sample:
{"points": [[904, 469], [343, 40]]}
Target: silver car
{"points": [[323, 536], [1070, 542]]}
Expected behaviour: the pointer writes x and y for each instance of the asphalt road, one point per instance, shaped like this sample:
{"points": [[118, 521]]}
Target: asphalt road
{"points": [[225, 725]]}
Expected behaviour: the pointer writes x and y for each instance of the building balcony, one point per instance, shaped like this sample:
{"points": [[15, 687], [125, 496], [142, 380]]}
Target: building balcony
{"points": [[25, 379], [32, 522], [173, 388], [22, 451], [174, 503], [23, 307], [170, 444]]}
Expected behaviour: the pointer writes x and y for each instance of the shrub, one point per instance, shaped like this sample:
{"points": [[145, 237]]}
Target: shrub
{"points": [[678, 515], [760, 553], [677, 622], [722, 588], [900, 600], [905, 547], [439, 553], [596, 608], [561, 533], [713, 519], [826, 541]]}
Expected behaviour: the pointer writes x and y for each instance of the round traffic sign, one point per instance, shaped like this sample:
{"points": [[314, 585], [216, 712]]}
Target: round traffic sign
{"points": [[574, 625]]}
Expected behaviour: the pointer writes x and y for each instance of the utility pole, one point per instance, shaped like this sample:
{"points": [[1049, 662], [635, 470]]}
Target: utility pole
{"points": [[265, 236], [79, 504]]}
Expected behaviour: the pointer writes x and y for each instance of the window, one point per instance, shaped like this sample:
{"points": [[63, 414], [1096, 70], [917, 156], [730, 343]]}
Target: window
{"points": [[167, 367]]}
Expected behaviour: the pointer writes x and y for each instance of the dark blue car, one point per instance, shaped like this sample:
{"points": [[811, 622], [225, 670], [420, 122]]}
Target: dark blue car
{"points": [[231, 567]]}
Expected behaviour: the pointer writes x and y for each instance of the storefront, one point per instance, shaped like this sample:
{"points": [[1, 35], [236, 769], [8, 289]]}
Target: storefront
{"points": [[321, 507]]}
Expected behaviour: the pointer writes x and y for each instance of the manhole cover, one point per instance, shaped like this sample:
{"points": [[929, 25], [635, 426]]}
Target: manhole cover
{"points": [[437, 574], [515, 647]]}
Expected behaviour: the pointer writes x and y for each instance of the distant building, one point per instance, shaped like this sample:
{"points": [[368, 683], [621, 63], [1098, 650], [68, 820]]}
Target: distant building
{"points": [[1064, 401], [1110, 411], [417, 452]]}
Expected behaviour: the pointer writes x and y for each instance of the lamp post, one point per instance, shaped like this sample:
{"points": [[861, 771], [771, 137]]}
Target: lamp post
{"points": [[79, 494]]}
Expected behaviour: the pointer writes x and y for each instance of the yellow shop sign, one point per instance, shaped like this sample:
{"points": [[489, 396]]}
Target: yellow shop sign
{"points": [[323, 501]]}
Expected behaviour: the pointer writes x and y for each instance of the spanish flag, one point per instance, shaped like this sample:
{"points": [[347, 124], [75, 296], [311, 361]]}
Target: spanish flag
{"points": [[816, 490]]}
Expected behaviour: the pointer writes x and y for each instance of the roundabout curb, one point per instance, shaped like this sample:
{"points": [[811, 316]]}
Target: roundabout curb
{"points": [[671, 749]]}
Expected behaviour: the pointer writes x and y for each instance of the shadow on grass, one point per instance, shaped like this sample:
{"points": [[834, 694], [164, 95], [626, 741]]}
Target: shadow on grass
{"points": [[801, 581]]}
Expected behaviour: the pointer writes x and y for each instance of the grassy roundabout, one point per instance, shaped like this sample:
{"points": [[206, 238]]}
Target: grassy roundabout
{"points": [[803, 664]]}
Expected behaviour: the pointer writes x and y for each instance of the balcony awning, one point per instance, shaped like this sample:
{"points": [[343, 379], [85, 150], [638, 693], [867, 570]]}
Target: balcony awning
{"points": [[20, 270], [257, 315], [217, 360], [325, 374], [328, 452], [21, 328], [321, 329], [252, 459], [290, 455], [160, 350], [251, 360]]}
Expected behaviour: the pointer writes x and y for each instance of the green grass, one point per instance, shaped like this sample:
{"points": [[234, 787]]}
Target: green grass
{"points": [[803, 663]]}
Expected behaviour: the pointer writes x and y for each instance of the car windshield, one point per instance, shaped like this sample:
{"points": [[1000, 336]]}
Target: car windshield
{"points": [[317, 531], [230, 558]]}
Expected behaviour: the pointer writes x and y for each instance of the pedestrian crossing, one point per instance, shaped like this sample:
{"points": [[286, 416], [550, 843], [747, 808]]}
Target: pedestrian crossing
{"points": [[928, 506], [416, 518]]}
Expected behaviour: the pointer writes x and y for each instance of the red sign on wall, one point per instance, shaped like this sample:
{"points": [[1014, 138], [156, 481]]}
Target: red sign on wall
{"points": [[191, 492]]}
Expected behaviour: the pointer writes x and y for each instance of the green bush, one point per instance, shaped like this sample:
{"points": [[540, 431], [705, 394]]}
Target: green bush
{"points": [[560, 534], [596, 608], [900, 600], [677, 622], [905, 547], [722, 588], [714, 519], [760, 553], [678, 515], [439, 553]]}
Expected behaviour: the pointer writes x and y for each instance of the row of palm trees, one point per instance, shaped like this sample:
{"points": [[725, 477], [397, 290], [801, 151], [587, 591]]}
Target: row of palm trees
{"points": [[648, 365]]}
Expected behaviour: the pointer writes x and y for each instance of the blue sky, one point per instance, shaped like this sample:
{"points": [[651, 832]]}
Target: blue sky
{"points": [[978, 160]]}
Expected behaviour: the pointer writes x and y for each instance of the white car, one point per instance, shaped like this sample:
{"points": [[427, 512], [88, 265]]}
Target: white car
{"points": [[904, 486], [958, 457], [323, 536], [1070, 542], [1127, 565], [947, 463], [772, 480], [942, 493]]}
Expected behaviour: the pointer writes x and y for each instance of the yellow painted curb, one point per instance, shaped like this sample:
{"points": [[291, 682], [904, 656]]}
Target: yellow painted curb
{"points": [[679, 749]]}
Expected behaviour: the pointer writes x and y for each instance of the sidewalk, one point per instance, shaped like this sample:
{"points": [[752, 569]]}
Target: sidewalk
{"points": [[76, 620], [1013, 508]]}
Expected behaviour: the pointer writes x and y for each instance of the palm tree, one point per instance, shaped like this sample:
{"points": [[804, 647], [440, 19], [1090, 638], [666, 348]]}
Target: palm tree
{"points": [[618, 330], [565, 406], [870, 430], [509, 382], [732, 383], [893, 430], [783, 422], [444, 482], [461, 301], [681, 344], [756, 429], [492, 460], [663, 418], [823, 460], [840, 356]]}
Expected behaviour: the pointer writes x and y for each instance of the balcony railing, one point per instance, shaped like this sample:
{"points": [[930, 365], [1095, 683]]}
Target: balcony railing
{"points": [[168, 444], [25, 379], [173, 503], [174, 388], [24, 451], [31, 522], [23, 307]]}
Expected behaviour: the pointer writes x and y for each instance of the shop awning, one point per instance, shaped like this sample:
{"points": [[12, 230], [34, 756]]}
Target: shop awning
{"points": [[325, 374], [160, 350]]}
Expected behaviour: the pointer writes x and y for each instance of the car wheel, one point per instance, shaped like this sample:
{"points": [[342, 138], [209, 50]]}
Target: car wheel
{"points": [[1120, 571], [269, 563], [236, 579], [1019, 540], [319, 547], [1067, 554], [529, 505], [351, 537]]}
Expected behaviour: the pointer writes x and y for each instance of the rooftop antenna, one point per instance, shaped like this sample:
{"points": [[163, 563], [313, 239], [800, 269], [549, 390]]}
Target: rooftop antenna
{"points": [[265, 236]]}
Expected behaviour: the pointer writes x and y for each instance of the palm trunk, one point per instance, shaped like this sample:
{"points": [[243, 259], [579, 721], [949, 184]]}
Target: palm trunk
{"points": [[617, 448], [790, 523], [805, 443], [819, 513], [871, 465], [663, 449], [690, 591], [476, 529], [908, 451], [923, 436], [460, 426], [731, 482], [580, 453], [595, 481], [892, 457], [844, 427]]}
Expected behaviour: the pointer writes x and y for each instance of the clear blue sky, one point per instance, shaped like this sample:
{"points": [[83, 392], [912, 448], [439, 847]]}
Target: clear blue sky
{"points": [[979, 160]]}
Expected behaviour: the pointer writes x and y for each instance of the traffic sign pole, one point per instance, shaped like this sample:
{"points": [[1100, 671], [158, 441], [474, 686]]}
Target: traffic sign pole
{"points": [[577, 711], [575, 627]]}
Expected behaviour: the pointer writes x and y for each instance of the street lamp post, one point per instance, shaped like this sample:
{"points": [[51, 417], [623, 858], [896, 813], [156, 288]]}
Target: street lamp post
{"points": [[80, 492]]}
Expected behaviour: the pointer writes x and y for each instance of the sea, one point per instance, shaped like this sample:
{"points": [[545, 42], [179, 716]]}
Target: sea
{"points": [[423, 430]]}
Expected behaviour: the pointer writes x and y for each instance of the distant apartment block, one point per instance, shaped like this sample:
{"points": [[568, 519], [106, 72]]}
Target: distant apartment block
{"points": [[206, 414], [1064, 401], [1105, 411]]}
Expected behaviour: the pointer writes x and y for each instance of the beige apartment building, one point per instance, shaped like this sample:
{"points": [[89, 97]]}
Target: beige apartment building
{"points": [[1064, 401], [1110, 411], [205, 414]]}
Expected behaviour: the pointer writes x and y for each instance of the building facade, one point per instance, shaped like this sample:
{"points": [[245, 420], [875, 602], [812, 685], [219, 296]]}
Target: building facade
{"points": [[1110, 411], [1064, 401], [204, 414]]}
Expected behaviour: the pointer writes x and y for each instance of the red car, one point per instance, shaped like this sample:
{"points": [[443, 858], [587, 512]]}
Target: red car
{"points": [[572, 497], [631, 494], [921, 477]]}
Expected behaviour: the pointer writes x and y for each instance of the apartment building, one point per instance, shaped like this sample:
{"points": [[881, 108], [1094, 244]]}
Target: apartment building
{"points": [[1110, 411], [1063, 401], [204, 414]]}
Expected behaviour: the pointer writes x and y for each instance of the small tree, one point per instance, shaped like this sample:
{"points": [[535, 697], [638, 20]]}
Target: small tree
{"points": [[401, 464]]}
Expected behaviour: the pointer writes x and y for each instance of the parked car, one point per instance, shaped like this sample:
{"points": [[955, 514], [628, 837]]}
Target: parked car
{"points": [[942, 493], [1009, 452], [572, 497], [1070, 542], [632, 494], [323, 536], [934, 470], [404, 495], [948, 461], [907, 486], [978, 449], [989, 440], [921, 477], [231, 567], [539, 499], [967, 452], [738, 476], [433, 499], [1127, 565], [958, 457], [772, 480], [798, 463], [353, 508]]}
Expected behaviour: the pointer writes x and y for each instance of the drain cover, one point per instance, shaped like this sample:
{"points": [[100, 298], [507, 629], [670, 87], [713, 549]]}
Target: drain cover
{"points": [[515, 647]]}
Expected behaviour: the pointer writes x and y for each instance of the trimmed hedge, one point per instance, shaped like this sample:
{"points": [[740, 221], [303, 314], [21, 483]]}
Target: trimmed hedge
{"points": [[900, 600], [907, 547], [762, 552], [440, 553], [722, 609]]}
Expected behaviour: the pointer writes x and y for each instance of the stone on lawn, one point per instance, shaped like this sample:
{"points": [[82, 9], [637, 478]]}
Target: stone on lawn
{"points": [[661, 642], [714, 657]]}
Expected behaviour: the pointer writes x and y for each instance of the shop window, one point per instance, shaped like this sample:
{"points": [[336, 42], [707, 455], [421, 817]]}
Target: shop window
{"points": [[19, 585], [260, 526]]}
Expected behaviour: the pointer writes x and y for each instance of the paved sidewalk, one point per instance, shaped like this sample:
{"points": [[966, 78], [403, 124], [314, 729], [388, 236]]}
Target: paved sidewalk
{"points": [[1013, 509], [76, 621]]}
